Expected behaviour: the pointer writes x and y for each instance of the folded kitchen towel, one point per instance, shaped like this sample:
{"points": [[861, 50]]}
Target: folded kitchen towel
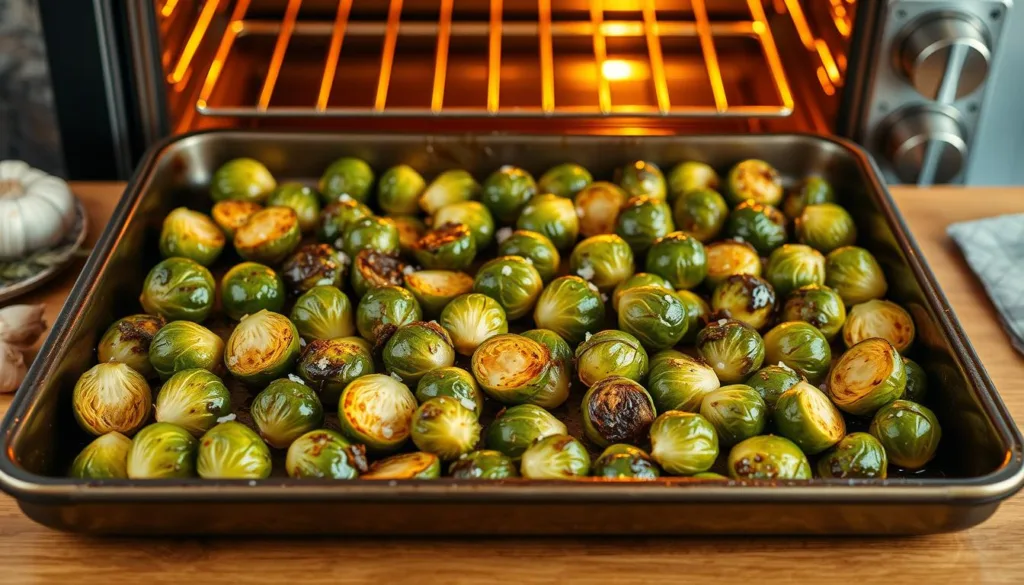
{"points": [[994, 248]]}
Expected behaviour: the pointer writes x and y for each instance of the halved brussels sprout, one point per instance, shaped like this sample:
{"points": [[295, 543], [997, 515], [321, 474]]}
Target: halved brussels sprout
{"points": [[231, 215], [762, 226], [560, 350], [374, 233], [444, 427], [732, 348], [642, 178], [825, 227], [514, 369], [416, 465], [698, 313], [793, 266], [302, 199], [336, 219], [642, 221], [690, 176], [683, 443], [417, 348], [700, 213], [555, 457], [737, 412], [805, 415], [625, 462], [111, 397], [617, 410], [855, 274], [450, 246], [680, 258], [536, 248], [346, 178], [328, 365], [106, 457], [729, 257], [471, 319], [512, 281], [410, 230], [506, 192], [434, 289], [605, 260], [800, 347], [867, 376], [127, 341], [552, 216], [654, 316], [242, 179], [517, 427], [178, 288], [325, 454], [376, 410], [908, 431], [483, 464], [610, 353], [571, 308], [473, 215], [385, 305], [813, 191], [249, 287], [286, 410], [637, 280], [454, 383], [269, 235], [447, 188], [162, 450], [399, 190], [917, 381], [598, 206], [232, 450], [564, 180], [771, 381], [856, 456], [263, 346], [314, 265], [182, 345], [745, 298], [768, 457], [754, 180], [883, 319], [680, 382], [194, 400], [818, 305], [323, 312], [190, 234], [372, 268]]}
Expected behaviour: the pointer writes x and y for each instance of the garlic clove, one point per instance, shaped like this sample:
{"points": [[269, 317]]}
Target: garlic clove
{"points": [[21, 325], [12, 368]]}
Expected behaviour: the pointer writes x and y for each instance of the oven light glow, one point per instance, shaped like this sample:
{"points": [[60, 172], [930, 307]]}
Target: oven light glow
{"points": [[621, 70]]}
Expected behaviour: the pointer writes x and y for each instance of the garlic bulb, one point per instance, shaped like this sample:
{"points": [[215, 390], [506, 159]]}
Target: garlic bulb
{"points": [[12, 368], [36, 210], [21, 325]]}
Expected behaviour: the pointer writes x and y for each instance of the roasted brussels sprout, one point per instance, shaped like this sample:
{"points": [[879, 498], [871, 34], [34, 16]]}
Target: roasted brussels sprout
{"points": [[323, 312], [625, 462], [190, 234], [737, 412], [410, 230], [598, 206], [617, 410], [106, 457], [444, 427], [242, 179], [336, 219], [517, 427], [182, 345], [111, 397], [314, 265], [564, 180], [883, 319], [793, 266], [232, 450], [604, 260], [698, 313], [303, 200], [454, 383], [762, 226], [506, 192], [642, 179], [805, 415], [328, 365], [642, 221], [178, 288], [372, 268], [825, 227], [263, 346], [800, 347], [637, 280], [768, 457], [417, 348], [908, 431], [450, 246], [855, 274], [473, 215], [771, 381], [813, 191], [127, 341], [679, 382], [552, 216], [385, 305], [434, 289], [399, 190], [471, 319], [856, 456], [376, 410], [536, 248], [732, 348], [483, 464], [286, 410], [754, 180], [701, 213], [514, 369], [160, 451], [447, 188], [416, 465], [269, 235], [745, 298], [691, 176], [818, 305], [917, 381], [325, 454], [194, 400], [512, 281], [729, 257], [346, 178], [653, 315], [374, 233], [610, 353], [231, 215], [561, 354], [683, 443], [867, 376], [555, 457], [250, 287], [679, 258]]}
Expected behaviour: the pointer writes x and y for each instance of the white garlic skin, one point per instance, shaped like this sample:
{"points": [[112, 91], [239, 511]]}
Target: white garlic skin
{"points": [[12, 368], [21, 325], [36, 210]]}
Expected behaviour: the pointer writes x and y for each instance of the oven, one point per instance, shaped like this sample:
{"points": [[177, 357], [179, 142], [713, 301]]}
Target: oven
{"points": [[927, 87]]}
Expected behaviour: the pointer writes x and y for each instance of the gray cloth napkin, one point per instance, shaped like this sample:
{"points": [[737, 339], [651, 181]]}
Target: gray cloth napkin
{"points": [[994, 248]]}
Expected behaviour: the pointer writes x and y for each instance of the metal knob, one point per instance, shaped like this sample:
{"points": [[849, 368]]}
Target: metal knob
{"points": [[926, 145], [945, 58]]}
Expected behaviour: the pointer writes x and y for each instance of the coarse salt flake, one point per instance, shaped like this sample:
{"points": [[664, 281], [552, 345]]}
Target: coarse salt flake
{"points": [[302, 342], [408, 269], [469, 404], [722, 322], [586, 272], [322, 363], [592, 286], [324, 282], [396, 376], [604, 297], [587, 336], [226, 418], [503, 234], [295, 378], [387, 432], [506, 270]]}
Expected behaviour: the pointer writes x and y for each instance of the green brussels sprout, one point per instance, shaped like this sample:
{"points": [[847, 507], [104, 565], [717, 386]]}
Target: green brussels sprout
{"points": [[249, 287], [813, 191], [679, 382], [732, 348], [642, 221], [768, 457], [473, 215], [690, 176], [883, 319], [328, 365], [512, 281], [561, 353], [374, 233], [552, 216], [617, 410], [867, 376], [679, 258], [625, 462], [385, 305], [825, 227], [454, 383], [642, 179], [303, 200], [653, 315], [106, 457], [762, 226], [610, 353], [805, 415], [818, 305], [506, 192], [376, 410], [178, 288], [737, 412], [745, 298], [514, 369], [450, 246], [701, 213], [771, 381], [598, 206], [232, 450], [399, 190], [161, 451], [314, 265], [323, 312], [447, 188], [536, 248], [908, 431], [604, 260], [800, 347], [242, 179], [183, 345], [269, 236], [324, 454], [286, 410], [190, 234], [264, 346], [231, 215], [417, 348], [855, 274], [111, 397], [472, 319], [856, 456], [637, 280], [555, 457], [127, 341], [517, 427], [346, 178], [336, 219], [434, 289], [754, 180], [564, 180], [571, 307], [792, 266], [372, 268], [444, 427], [416, 465], [917, 381], [683, 443], [194, 400], [730, 257], [698, 313], [483, 464], [410, 230]]}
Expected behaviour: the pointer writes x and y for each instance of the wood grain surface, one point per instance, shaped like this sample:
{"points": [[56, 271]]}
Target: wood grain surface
{"points": [[990, 553]]}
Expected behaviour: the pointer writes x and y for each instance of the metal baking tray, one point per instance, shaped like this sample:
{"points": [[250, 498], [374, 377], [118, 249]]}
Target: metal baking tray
{"points": [[980, 457]]}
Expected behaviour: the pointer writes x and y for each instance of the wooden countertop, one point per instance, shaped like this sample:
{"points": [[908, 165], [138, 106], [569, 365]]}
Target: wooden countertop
{"points": [[990, 553]]}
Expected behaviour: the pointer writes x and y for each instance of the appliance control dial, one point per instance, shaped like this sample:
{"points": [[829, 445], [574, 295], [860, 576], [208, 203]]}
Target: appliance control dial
{"points": [[926, 144], [946, 57]]}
